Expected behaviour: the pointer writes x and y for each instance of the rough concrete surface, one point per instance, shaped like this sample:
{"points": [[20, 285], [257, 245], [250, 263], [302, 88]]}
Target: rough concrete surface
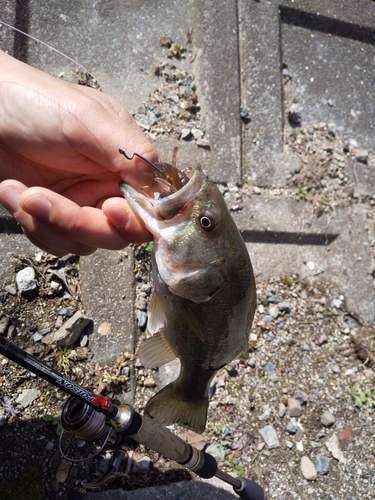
{"points": [[241, 49]]}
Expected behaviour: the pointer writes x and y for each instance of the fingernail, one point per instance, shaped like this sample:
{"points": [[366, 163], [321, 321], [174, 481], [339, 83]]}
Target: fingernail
{"points": [[10, 199], [38, 205]]}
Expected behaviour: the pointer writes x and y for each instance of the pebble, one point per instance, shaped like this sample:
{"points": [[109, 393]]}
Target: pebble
{"points": [[149, 382], [300, 396], [270, 367], [26, 281], [10, 289], [322, 464], [269, 435], [274, 311], [70, 331], [252, 362], [294, 407], [327, 419], [142, 465], [141, 318], [308, 469], [27, 396], [266, 413], [285, 307], [282, 410], [292, 427], [217, 451]]}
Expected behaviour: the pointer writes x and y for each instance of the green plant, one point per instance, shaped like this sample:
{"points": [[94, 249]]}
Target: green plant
{"points": [[240, 469], [302, 190], [362, 397], [54, 420], [63, 360]]}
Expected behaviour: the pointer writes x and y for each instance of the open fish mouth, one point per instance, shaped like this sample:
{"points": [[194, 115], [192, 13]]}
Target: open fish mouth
{"points": [[163, 208]]}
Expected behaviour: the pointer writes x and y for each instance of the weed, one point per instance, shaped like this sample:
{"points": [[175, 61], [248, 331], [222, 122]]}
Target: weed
{"points": [[362, 397], [301, 190], [54, 420]]}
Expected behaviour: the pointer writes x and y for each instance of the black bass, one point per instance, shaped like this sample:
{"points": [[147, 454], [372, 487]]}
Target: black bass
{"points": [[204, 299]]}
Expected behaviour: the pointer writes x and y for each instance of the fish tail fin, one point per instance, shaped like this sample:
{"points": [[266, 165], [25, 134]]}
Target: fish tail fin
{"points": [[168, 407]]}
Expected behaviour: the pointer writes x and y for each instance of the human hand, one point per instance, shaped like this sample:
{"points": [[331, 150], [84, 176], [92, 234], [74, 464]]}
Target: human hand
{"points": [[60, 165]]}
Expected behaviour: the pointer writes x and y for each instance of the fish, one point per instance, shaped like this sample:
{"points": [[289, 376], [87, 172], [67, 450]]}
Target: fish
{"points": [[204, 296]]}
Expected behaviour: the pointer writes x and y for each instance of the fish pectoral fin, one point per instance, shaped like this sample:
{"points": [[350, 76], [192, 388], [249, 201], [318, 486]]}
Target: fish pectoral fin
{"points": [[191, 319], [156, 315], [156, 351], [199, 286]]}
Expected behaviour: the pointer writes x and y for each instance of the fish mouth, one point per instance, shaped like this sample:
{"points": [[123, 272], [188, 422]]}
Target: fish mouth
{"points": [[166, 208]]}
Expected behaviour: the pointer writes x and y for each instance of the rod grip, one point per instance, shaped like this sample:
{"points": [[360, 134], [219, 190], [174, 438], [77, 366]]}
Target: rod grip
{"points": [[163, 441]]}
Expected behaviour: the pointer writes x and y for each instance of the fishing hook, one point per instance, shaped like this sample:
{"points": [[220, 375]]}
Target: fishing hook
{"points": [[122, 151]]}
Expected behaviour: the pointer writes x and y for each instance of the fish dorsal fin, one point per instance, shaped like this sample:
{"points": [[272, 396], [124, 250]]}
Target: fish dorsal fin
{"points": [[156, 351], [156, 316], [191, 319]]}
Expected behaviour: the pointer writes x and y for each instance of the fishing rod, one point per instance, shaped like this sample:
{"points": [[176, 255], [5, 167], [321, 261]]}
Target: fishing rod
{"points": [[94, 418]]}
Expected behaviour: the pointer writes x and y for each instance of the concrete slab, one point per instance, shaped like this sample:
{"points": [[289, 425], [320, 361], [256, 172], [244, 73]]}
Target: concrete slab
{"points": [[107, 297], [331, 65], [284, 237], [335, 41], [119, 45]]}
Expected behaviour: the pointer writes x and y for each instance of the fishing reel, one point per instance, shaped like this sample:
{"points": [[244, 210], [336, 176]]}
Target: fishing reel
{"points": [[95, 419]]}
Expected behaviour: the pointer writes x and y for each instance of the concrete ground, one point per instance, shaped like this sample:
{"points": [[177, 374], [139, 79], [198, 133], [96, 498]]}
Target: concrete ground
{"points": [[241, 52]]}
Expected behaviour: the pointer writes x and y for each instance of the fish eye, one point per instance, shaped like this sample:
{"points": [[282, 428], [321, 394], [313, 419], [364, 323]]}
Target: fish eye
{"points": [[207, 222]]}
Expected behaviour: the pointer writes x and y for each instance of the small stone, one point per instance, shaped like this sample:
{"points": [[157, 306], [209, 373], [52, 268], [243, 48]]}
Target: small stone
{"points": [[204, 143], [270, 367], [289, 444], [361, 155], [253, 337], [274, 311], [141, 318], [84, 341], [295, 114], [217, 451], [294, 407], [142, 465], [252, 362], [282, 410], [285, 307], [300, 396], [26, 281], [10, 289], [269, 435], [257, 190], [149, 382], [308, 469], [67, 312], [37, 336], [105, 328], [69, 333], [322, 464], [292, 427], [27, 396], [186, 134], [337, 303], [327, 419]]}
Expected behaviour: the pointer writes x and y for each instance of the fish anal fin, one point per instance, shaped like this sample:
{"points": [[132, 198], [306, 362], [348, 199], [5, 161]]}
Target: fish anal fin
{"points": [[168, 407], [156, 351]]}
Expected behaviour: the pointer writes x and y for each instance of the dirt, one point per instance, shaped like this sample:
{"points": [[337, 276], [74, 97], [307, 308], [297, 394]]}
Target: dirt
{"points": [[304, 346]]}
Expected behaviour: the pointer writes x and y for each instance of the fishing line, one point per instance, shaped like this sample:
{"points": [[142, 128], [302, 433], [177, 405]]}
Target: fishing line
{"points": [[47, 45]]}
